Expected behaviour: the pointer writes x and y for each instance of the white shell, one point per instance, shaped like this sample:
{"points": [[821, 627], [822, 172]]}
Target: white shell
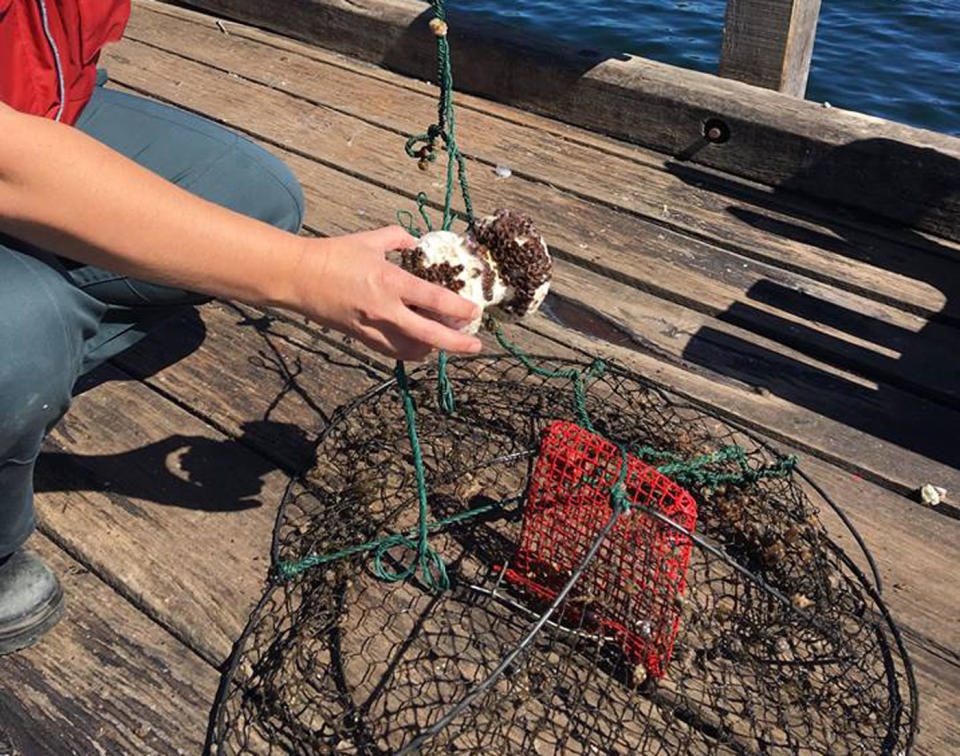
{"points": [[447, 247], [932, 495], [451, 248], [538, 296]]}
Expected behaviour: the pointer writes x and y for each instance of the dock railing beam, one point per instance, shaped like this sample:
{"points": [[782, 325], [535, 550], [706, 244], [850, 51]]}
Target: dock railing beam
{"points": [[769, 43]]}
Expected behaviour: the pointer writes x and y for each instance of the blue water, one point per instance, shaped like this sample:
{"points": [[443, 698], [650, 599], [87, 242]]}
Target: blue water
{"points": [[899, 59]]}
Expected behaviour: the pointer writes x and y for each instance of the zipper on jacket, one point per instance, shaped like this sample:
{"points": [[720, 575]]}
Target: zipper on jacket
{"points": [[61, 86]]}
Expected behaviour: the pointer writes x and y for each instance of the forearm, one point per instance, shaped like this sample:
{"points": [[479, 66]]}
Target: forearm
{"points": [[63, 191]]}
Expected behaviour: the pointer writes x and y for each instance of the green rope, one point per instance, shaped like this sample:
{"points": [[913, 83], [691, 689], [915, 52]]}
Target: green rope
{"points": [[423, 146], [288, 570], [444, 387], [405, 217], [595, 370], [427, 560], [700, 472]]}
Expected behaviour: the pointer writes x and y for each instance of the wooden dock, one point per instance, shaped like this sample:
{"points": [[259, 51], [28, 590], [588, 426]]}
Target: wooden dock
{"points": [[830, 331]]}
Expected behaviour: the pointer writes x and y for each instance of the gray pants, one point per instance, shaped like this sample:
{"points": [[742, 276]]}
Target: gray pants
{"points": [[60, 319]]}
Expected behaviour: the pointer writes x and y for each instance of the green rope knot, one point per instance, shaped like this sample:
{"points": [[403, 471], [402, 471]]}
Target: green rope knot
{"points": [[289, 570], [597, 369], [424, 146], [427, 562]]}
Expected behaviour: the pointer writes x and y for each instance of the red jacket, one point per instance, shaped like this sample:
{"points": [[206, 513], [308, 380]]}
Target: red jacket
{"points": [[49, 51]]}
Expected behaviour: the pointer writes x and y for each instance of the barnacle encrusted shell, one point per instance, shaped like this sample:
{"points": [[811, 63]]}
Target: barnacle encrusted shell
{"points": [[455, 262], [520, 257], [502, 264]]}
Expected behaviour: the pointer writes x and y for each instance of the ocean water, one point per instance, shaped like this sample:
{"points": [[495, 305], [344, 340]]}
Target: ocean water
{"points": [[899, 59]]}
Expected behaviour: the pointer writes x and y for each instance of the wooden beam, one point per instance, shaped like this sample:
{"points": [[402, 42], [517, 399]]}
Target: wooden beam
{"points": [[769, 43], [900, 173]]}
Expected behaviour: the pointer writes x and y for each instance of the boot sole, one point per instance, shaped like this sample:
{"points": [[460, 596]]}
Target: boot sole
{"points": [[33, 628]]}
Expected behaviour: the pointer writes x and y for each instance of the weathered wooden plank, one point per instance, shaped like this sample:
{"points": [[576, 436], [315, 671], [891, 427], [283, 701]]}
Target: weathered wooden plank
{"points": [[938, 685], [640, 183], [168, 510], [274, 388], [772, 382], [670, 248], [787, 421], [129, 482], [676, 267], [769, 43], [107, 680], [892, 170]]}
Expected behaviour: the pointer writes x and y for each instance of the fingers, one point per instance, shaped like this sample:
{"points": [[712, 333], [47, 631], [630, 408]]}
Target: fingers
{"points": [[436, 334], [416, 292], [398, 347], [390, 237]]}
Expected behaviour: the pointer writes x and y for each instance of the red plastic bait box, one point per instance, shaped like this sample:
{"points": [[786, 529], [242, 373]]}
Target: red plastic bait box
{"points": [[632, 590]]}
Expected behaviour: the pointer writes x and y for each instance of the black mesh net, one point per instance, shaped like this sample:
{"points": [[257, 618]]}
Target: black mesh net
{"points": [[783, 647]]}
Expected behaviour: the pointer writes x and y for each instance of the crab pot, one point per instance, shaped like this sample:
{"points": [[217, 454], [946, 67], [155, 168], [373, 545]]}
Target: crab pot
{"points": [[764, 635]]}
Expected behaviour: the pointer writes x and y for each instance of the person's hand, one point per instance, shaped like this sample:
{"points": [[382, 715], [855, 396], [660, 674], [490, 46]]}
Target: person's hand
{"points": [[347, 283]]}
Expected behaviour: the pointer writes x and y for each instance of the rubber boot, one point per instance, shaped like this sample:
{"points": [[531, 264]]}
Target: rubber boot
{"points": [[31, 601]]}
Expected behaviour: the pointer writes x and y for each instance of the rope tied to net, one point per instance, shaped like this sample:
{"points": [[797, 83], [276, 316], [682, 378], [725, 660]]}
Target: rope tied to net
{"points": [[700, 471], [427, 561], [596, 369], [288, 570]]}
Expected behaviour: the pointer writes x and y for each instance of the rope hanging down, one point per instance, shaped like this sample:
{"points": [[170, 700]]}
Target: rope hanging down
{"points": [[698, 473], [424, 146]]}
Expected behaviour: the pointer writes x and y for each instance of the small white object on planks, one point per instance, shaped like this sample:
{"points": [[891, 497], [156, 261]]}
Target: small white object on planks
{"points": [[502, 264], [932, 495]]}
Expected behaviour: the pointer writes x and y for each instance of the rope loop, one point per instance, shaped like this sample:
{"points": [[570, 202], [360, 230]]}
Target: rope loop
{"points": [[427, 562], [427, 559], [422, 201], [405, 219], [415, 145]]}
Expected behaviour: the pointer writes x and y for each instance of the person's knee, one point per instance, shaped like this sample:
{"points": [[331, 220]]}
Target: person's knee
{"points": [[277, 197], [37, 373], [35, 388]]}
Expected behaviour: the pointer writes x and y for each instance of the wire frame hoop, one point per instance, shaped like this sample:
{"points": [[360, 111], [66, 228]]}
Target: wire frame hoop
{"points": [[784, 644]]}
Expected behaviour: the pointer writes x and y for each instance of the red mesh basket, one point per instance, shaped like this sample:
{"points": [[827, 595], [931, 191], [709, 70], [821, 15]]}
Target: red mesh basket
{"points": [[632, 590]]}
